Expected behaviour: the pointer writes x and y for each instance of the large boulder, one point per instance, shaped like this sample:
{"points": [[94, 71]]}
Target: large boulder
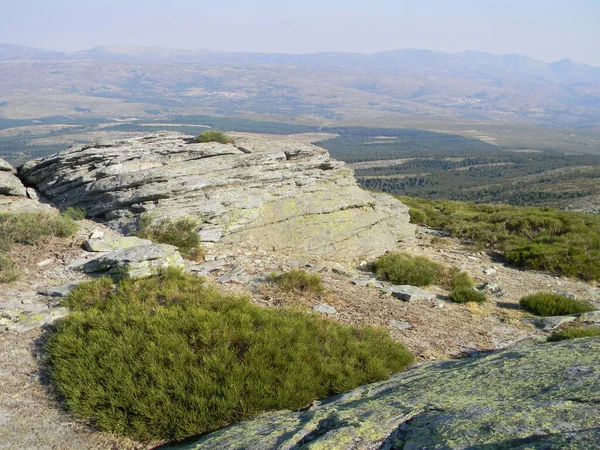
{"points": [[528, 397], [285, 196], [9, 183]]}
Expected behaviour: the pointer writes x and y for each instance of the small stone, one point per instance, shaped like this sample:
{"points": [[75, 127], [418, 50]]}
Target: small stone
{"points": [[490, 271], [31, 193], [591, 317], [341, 272], [97, 234], [409, 293], [45, 262], [565, 293], [364, 282], [231, 274], [324, 308], [400, 324]]}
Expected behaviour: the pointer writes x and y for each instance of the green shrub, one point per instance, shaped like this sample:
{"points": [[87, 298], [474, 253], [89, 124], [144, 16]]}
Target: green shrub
{"points": [[74, 213], [30, 228], [168, 357], [561, 242], [298, 281], [549, 304], [402, 268], [417, 216], [466, 294], [178, 232], [214, 136], [8, 271], [574, 333]]}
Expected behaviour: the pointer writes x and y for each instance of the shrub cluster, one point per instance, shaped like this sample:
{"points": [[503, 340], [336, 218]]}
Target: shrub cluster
{"points": [[297, 281], [539, 238], [178, 232], [168, 357], [574, 333], [550, 304], [28, 229], [214, 136], [402, 268]]}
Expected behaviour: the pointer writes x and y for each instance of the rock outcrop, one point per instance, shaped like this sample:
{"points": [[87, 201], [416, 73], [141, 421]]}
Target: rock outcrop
{"points": [[524, 397], [284, 196]]}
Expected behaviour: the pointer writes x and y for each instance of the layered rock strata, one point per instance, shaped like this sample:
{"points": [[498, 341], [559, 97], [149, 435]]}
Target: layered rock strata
{"points": [[284, 196]]}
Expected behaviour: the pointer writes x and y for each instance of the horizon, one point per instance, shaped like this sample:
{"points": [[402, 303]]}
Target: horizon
{"points": [[545, 30], [467, 50]]}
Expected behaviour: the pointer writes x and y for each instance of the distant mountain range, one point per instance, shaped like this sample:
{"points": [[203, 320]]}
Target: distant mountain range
{"points": [[112, 81]]}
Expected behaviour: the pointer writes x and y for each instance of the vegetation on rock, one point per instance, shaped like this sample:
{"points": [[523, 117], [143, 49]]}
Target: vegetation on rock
{"points": [[549, 304], [178, 232], [169, 357], [560, 242], [214, 136], [297, 281], [574, 332]]}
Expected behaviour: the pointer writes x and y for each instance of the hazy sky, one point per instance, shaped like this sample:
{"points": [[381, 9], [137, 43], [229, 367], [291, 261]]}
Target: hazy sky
{"points": [[544, 29]]}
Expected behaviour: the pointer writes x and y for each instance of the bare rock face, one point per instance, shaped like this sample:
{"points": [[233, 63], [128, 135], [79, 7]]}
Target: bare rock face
{"points": [[284, 196]]}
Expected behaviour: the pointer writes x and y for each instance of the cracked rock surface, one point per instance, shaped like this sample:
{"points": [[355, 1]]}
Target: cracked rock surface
{"points": [[526, 396], [288, 197]]}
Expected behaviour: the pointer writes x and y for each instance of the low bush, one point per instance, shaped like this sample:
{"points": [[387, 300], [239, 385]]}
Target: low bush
{"points": [[74, 213], [549, 304], [297, 281], [168, 357], [178, 232], [214, 136], [402, 268], [466, 294], [574, 333], [8, 271], [417, 216]]}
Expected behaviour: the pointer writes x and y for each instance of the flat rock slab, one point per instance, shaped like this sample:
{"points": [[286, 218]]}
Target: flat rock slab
{"points": [[59, 291], [325, 309], [113, 244], [141, 261], [22, 321], [409, 293], [528, 397]]}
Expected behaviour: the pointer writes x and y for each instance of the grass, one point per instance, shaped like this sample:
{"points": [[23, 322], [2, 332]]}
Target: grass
{"points": [[574, 333], [168, 357], [297, 281], [178, 232], [74, 213], [31, 228], [214, 136], [538, 238], [28, 229], [8, 271], [549, 304]]}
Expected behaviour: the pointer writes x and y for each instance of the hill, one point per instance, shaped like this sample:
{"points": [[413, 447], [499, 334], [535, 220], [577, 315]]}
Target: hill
{"points": [[145, 81]]}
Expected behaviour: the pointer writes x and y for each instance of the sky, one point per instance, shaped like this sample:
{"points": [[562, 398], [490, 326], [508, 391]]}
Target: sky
{"points": [[548, 30]]}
